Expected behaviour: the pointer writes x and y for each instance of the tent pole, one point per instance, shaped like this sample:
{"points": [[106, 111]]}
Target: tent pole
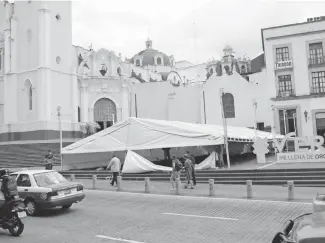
{"points": [[224, 128]]}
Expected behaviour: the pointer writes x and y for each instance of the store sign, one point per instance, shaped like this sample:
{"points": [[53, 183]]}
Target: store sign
{"points": [[302, 153], [283, 64]]}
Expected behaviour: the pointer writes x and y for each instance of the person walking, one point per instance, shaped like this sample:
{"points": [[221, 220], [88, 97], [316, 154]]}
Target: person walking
{"points": [[191, 157], [188, 172], [115, 166], [176, 170]]}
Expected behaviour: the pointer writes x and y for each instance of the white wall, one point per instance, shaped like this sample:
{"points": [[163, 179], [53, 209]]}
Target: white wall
{"points": [[244, 93]]}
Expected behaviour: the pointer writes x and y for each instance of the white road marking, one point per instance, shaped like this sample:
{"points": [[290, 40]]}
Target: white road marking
{"points": [[117, 239], [194, 197], [200, 216]]}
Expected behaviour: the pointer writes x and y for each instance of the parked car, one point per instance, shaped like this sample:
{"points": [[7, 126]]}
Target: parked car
{"points": [[319, 203], [44, 189], [307, 228]]}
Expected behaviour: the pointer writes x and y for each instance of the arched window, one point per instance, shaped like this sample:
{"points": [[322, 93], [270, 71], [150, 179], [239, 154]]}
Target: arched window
{"points": [[119, 71], [79, 117], [137, 62], [29, 94], [243, 69], [30, 98], [159, 61], [228, 105]]}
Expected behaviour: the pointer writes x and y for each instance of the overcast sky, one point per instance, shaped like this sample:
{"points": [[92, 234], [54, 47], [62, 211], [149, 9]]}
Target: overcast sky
{"points": [[193, 30]]}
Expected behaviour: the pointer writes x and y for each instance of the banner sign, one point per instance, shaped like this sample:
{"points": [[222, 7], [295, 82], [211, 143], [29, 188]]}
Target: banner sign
{"points": [[307, 149], [301, 157]]}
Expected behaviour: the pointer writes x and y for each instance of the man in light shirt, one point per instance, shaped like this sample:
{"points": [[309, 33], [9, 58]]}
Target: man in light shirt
{"points": [[115, 166]]}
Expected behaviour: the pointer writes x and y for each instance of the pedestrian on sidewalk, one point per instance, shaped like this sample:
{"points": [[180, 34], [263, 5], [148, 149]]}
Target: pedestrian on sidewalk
{"points": [[191, 157], [49, 160], [176, 171], [188, 172], [114, 165]]}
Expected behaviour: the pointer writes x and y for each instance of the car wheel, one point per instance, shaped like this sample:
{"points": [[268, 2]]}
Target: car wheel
{"points": [[31, 207], [66, 206]]}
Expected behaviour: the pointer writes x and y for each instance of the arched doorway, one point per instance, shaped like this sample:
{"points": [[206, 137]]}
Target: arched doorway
{"points": [[104, 113]]}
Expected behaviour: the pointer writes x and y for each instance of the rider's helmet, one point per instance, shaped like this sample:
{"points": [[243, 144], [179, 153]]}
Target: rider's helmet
{"points": [[4, 172]]}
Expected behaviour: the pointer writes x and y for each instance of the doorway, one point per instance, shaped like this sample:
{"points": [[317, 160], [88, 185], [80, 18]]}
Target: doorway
{"points": [[104, 113], [320, 123]]}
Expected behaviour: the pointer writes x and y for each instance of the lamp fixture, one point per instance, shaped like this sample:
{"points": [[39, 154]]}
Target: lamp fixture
{"points": [[306, 115]]}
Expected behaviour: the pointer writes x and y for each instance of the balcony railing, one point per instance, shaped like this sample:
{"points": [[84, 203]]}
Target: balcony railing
{"points": [[286, 93], [317, 61], [283, 65]]}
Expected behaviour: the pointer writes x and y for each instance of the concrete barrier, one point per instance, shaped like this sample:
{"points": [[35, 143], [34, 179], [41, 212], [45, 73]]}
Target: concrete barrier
{"points": [[72, 177], [147, 185], [178, 186], [94, 181], [211, 188], [249, 189], [291, 190], [119, 180]]}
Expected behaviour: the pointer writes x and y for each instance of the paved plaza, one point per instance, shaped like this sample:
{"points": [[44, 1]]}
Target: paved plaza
{"points": [[106, 216]]}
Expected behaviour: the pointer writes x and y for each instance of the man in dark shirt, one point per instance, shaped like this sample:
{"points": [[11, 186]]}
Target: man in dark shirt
{"points": [[48, 160], [191, 157]]}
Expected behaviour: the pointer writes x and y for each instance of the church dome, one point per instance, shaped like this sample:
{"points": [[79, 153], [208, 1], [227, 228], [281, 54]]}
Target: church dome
{"points": [[150, 56]]}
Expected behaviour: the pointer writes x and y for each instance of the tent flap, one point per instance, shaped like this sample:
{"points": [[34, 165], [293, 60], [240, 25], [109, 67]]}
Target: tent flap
{"points": [[135, 163]]}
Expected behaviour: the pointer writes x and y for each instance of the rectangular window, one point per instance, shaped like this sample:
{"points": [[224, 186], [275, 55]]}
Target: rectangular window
{"points": [[318, 82], [260, 126], [316, 55], [285, 84], [320, 123], [288, 121], [282, 54]]}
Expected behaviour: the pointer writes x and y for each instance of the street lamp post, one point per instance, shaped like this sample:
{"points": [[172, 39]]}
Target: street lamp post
{"points": [[255, 123], [221, 93], [60, 127]]}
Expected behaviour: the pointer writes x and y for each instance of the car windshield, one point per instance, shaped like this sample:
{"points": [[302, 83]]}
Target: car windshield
{"points": [[48, 179]]}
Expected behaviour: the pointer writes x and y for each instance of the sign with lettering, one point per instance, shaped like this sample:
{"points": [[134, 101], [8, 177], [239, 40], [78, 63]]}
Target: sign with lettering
{"points": [[283, 64], [301, 157], [315, 19], [307, 149]]}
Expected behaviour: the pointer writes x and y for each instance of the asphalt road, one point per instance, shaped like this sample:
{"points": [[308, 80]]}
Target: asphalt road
{"points": [[136, 218]]}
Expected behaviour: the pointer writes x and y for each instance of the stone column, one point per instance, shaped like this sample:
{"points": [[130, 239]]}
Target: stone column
{"points": [[84, 103], [44, 63]]}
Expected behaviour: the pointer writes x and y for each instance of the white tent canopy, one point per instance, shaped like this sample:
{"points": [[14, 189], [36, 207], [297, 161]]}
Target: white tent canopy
{"points": [[140, 134]]}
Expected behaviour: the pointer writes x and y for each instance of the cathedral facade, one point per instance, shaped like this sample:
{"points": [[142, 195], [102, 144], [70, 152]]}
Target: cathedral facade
{"points": [[47, 84]]}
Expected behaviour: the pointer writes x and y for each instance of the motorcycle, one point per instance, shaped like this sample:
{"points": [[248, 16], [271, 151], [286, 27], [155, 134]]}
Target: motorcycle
{"points": [[11, 215]]}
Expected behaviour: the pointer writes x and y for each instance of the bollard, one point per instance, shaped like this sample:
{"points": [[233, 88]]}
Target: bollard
{"points": [[147, 185], [119, 179], [72, 177], [249, 189], [291, 190], [94, 181], [211, 188], [178, 186]]}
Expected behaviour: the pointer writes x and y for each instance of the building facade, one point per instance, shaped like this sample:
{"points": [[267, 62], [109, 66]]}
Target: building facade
{"points": [[47, 84], [294, 57]]}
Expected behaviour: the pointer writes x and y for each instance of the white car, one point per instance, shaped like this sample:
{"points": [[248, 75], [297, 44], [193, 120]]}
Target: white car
{"points": [[319, 203], [44, 189]]}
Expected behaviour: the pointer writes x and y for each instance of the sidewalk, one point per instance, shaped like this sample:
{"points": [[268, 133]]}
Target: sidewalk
{"points": [[272, 193]]}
